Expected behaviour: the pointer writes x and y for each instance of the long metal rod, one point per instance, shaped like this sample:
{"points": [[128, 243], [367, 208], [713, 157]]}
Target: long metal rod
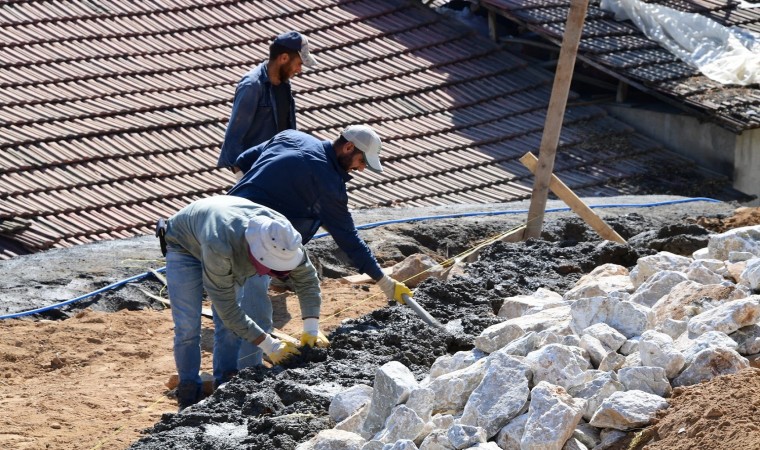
{"points": [[420, 311]]}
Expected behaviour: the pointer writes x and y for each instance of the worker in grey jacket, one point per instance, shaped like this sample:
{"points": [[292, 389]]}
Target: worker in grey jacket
{"points": [[218, 244]]}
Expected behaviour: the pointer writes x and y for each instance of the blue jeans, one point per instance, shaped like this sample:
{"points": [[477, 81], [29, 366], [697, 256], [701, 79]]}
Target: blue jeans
{"points": [[184, 275], [256, 304]]}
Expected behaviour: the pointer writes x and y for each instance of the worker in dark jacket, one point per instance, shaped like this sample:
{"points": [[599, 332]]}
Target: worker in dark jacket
{"points": [[263, 104], [305, 179]]}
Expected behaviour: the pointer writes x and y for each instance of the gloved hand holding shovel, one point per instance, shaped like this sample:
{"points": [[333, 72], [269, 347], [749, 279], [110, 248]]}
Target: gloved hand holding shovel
{"points": [[394, 290]]}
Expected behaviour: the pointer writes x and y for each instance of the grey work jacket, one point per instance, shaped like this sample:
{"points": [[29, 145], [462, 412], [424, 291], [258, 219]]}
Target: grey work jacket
{"points": [[213, 231]]}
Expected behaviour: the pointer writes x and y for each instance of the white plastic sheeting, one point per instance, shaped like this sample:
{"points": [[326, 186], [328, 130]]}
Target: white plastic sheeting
{"points": [[726, 55]]}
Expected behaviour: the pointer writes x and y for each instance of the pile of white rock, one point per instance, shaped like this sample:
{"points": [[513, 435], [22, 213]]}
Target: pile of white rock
{"points": [[574, 371]]}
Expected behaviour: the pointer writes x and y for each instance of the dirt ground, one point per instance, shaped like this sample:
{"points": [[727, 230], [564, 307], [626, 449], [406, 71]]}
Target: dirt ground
{"points": [[97, 379]]}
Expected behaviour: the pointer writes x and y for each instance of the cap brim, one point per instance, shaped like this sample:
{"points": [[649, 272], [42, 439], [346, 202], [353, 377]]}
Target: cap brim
{"points": [[373, 162], [307, 59]]}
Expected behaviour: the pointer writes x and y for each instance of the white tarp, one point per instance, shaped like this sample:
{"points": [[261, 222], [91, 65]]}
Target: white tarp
{"points": [[726, 55]]}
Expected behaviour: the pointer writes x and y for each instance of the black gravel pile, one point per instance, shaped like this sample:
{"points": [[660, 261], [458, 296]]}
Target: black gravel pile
{"points": [[281, 407]]}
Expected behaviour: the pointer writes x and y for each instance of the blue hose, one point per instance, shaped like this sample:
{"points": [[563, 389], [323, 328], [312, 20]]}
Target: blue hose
{"points": [[365, 227]]}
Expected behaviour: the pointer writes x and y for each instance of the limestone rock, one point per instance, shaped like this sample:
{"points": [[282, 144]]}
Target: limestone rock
{"points": [[744, 239], [710, 363], [437, 440], [422, 401], [510, 435], [552, 417], [347, 402], [557, 364], [331, 439], [610, 337], [727, 317], [404, 444], [687, 300], [657, 286], [600, 282], [502, 395], [595, 391], [453, 389], [712, 339], [393, 384], [497, 336], [652, 380], [464, 436], [751, 274], [626, 410], [402, 423], [748, 340], [652, 264], [628, 318], [450, 363], [657, 350], [523, 305]]}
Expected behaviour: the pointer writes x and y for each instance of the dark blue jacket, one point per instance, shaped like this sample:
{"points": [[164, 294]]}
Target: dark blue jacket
{"points": [[253, 119], [299, 176]]}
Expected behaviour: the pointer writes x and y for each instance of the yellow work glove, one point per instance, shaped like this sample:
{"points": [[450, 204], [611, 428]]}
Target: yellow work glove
{"points": [[393, 289], [277, 350], [311, 335]]}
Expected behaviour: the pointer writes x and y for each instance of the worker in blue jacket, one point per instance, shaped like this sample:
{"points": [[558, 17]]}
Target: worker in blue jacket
{"points": [[263, 104], [305, 179]]}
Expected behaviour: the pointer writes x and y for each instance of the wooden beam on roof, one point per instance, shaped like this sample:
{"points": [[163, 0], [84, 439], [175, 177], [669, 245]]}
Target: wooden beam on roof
{"points": [[575, 203], [553, 125]]}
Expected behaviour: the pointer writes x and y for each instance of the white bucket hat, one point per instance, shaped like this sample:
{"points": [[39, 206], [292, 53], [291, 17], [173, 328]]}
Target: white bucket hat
{"points": [[274, 243], [366, 140]]}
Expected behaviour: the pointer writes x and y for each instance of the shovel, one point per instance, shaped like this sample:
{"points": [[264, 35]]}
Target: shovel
{"points": [[420, 311]]}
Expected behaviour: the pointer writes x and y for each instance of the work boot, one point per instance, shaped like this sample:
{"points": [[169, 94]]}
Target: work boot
{"points": [[226, 376], [188, 394]]}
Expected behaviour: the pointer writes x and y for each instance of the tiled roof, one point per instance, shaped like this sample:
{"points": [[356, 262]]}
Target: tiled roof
{"points": [[623, 51], [112, 112]]}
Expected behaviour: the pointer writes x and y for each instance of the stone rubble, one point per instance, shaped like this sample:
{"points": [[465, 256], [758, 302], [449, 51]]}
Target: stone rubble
{"points": [[574, 371]]}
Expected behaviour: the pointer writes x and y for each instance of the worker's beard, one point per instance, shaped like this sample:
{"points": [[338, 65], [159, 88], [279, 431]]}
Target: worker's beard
{"points": [[287, 70], [345, 161]]}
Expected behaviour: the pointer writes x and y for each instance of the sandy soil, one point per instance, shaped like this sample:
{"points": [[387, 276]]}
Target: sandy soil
{"points": [[98, 379]]}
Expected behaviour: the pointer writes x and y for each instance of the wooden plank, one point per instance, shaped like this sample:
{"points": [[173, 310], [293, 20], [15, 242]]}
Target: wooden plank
{"points": [[575, 203], [165, 301], [158, 276], [553, 125], [364, 278]]}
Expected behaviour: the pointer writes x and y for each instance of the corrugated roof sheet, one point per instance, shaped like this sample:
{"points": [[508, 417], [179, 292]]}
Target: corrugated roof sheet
{"points": [[623, 51], [112, 113]]}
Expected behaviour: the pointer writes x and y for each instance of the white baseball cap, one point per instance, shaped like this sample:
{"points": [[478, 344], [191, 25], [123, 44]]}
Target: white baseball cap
{"points": [[274, 243], [366, 140]]}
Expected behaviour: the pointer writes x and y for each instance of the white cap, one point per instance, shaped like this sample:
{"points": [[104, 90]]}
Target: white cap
{"points": [[306, 58], [296, 41], [366, 140], [274, 242]]}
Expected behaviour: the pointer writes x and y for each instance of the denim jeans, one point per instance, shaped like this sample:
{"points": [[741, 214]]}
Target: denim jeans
{"points": [[184, 279], [255, 303]]}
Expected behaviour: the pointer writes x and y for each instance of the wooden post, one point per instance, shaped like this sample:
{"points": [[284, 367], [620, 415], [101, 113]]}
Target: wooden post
{"points": [[553, 125], [575, 203]]}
